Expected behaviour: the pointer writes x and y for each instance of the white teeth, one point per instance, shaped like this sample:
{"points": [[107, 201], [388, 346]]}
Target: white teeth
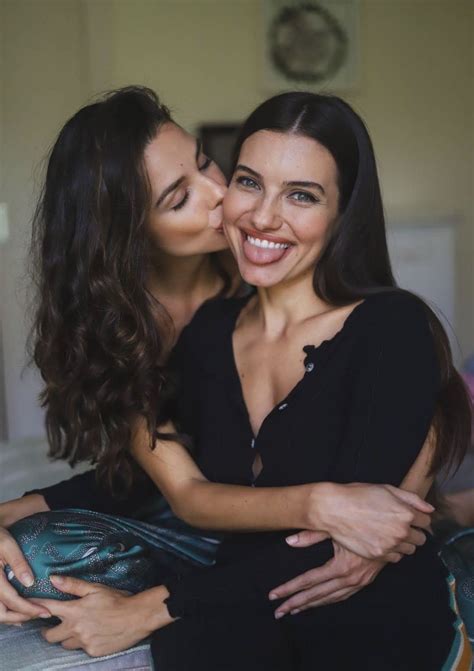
{"points": [[266, 244]]}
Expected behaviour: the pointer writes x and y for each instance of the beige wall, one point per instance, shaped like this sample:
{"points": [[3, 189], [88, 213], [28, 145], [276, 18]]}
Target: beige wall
{"points": [[416, 93]]}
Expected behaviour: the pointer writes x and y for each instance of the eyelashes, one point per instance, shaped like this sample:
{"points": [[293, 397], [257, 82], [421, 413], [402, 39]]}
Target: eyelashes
{"points": [[247, 182], [185, 198], [206, 163], [303, 197], [182, 202]]}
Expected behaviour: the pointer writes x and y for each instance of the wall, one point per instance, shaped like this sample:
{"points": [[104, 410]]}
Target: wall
{"points": [[416, 94], [42, 84]]}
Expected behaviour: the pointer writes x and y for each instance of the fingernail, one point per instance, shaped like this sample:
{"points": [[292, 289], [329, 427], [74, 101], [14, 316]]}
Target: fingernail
{"points": [[57, 579], [17, 624], [292, 540], [27, 579], [273, 596], [295, 611], [45, 615], [279, 615]]}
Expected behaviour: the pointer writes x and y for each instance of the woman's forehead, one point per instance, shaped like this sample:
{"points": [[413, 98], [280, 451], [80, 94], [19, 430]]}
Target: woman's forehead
{"points": [[274, 152]]}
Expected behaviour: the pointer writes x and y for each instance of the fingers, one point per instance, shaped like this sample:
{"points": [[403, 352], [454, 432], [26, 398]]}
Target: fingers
{"points": [[309, 579], [54, 606], [412, 499], [71, 644], [335, 597], [73, 586], [10, 617], [421, 520], [57, 634], [13, 556], [393, 557], [305, 538], [406, 549], [299, 601], [10, 598], [416, 537]]}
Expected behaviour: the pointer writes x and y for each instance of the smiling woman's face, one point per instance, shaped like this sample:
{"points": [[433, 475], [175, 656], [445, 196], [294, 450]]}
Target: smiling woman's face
{"points": [[187, 190], [280, 205]]}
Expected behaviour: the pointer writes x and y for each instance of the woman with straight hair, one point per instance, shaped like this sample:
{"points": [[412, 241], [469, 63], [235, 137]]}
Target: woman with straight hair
{"points": [[120, 247], [304, 219]]}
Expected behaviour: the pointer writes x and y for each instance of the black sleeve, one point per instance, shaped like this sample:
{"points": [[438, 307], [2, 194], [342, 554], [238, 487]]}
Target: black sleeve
{"points": [[85, 491], [396, 385], [395, 394]]}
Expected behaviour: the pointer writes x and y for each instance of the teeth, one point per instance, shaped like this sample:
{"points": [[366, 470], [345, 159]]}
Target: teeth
{"points": [[266, 244]]}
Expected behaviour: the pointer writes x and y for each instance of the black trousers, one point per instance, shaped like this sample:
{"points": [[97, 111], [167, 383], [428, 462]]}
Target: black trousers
{"points": [[316, 640]]}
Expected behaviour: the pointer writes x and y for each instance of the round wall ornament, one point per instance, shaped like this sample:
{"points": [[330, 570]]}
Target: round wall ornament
{"points": [[307, 43]]}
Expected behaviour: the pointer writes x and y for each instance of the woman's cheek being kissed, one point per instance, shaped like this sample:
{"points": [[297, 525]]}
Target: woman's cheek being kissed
{"points": [[281, 203]]}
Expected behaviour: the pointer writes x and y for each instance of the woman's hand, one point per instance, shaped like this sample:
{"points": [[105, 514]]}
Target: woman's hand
{"points": [[374, 521], [337, 580], [13, 608], [104, 620]]}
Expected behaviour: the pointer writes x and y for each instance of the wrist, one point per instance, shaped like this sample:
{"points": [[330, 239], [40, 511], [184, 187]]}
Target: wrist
{"points": [[320, 506], [152, 609]]}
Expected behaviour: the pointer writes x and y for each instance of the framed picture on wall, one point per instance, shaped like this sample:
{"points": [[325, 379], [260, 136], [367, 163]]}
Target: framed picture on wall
{"points": [[218, 140], [312, 45]]}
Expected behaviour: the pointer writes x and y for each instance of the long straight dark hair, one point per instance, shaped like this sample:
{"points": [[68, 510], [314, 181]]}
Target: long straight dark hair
{"points": [[354, 262]]}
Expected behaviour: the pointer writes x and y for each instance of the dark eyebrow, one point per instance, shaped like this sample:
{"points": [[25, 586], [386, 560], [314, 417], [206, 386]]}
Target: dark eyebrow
{"points": [[247, 169], [169, 189], [306, 185]]}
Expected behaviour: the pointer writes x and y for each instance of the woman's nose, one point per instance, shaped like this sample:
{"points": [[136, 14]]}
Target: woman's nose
{"points": [[217, 191], [265, 217]]}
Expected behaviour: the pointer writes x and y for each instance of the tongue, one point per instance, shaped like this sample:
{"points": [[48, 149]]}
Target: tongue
{"points": [[260, 255]]}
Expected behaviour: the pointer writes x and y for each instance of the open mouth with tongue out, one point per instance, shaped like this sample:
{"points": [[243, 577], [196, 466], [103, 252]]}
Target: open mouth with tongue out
{"points": [[262, 250]]}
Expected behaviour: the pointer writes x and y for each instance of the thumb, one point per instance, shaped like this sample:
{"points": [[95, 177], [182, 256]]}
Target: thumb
{"points": [[13, 557], [412, 499], [305, 538], [73, 586]]}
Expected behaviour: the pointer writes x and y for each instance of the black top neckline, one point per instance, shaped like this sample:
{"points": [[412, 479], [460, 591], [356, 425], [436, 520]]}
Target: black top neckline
{"points": [[315, 354]]}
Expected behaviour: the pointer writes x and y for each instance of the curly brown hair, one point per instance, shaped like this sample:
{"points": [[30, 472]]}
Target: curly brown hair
{"points": [[98, 335]]}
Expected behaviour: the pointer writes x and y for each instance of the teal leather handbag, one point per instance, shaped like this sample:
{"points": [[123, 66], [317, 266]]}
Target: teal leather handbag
{"points": [[115, 551]]}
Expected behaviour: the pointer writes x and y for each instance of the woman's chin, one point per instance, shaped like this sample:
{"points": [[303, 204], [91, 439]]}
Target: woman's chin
{"points": [[261, 276]]}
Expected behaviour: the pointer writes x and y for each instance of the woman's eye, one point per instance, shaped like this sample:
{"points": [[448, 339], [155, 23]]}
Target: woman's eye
{"points": [[303, 197], [247, 182], [181, 203], [205, 162]]}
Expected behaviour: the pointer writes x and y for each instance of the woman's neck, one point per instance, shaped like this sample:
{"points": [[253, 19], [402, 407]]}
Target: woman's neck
{"points": [[182, 284], [283, 306]]}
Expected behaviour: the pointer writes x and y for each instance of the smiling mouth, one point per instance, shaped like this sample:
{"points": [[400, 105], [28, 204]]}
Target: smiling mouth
{"points": [[263, 251]]}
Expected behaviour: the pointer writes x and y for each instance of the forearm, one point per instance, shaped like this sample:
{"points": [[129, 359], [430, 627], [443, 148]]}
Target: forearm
{"points": [[17, 509], [210, 505], [419, 478]]}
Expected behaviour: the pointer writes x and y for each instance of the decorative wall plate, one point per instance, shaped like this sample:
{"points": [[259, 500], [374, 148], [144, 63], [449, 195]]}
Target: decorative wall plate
{"points": [[311, 45]]}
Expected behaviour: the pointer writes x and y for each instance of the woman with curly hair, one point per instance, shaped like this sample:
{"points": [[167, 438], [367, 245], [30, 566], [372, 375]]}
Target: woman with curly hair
{"points": [[127, 237]]}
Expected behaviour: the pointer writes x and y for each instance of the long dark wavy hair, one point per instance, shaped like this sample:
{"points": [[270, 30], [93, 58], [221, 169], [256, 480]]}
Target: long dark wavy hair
{"points": [[98, 335], [354, 262]]}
